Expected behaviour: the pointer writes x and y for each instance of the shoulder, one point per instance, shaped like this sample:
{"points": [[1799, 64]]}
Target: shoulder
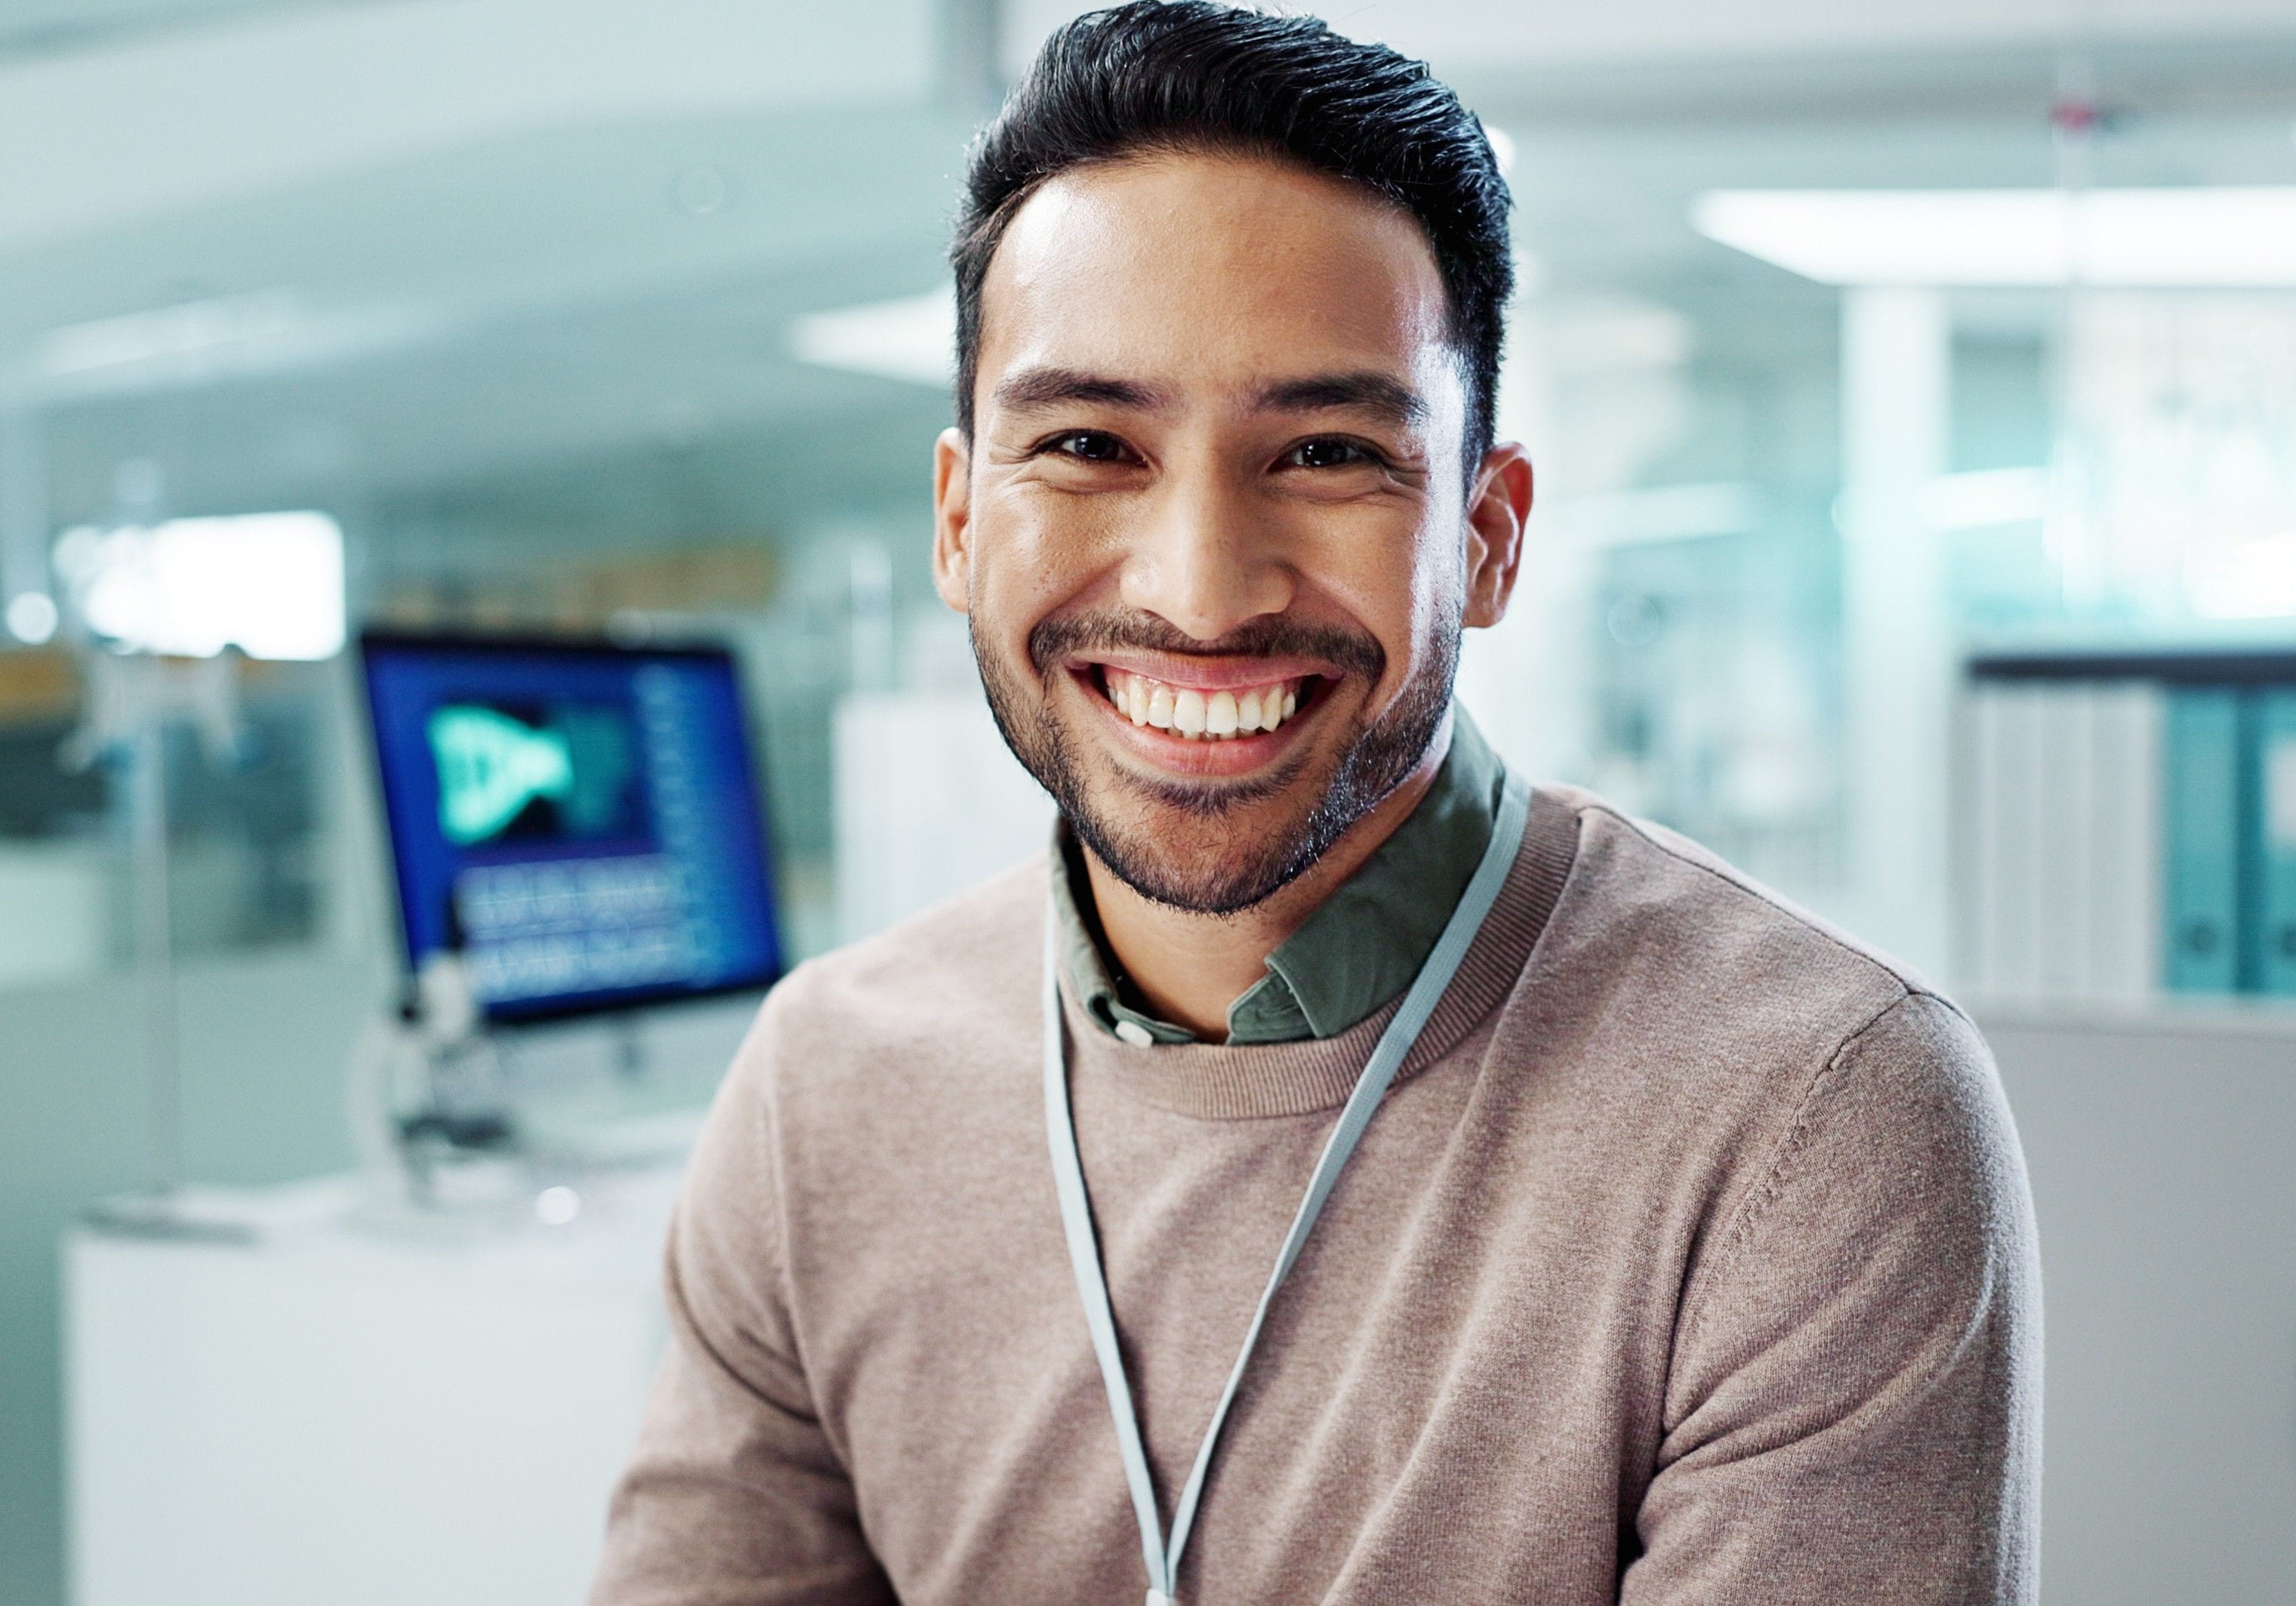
{"points": [[1743, 1026], [1846, 1116], [914, 1003], [1900, 1175], [1655, 911], [944, 955]]}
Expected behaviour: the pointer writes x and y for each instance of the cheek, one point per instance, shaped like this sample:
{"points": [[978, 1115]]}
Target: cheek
{"points": [[1032, 557], [1441, 594], [1406, 587]]}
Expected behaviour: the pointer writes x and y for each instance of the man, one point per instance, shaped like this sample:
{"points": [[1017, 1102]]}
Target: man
{"points": [[1686, 1256]]}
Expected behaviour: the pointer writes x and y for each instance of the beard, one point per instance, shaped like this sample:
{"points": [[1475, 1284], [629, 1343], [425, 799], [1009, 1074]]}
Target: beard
{"points": [[1375, 757]]}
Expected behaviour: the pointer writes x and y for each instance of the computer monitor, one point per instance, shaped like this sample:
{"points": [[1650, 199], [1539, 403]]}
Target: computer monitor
{"points": [[580, 820]]}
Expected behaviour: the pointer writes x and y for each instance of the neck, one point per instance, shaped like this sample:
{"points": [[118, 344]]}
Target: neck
{"points": [[1190, 967]]}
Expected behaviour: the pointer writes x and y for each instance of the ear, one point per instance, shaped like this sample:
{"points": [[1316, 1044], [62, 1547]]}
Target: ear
{"points": [[1497, 514], [953, 520]]}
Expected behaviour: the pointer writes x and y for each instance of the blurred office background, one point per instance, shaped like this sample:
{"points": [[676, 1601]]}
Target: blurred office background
{"points": [[1914, 395]]}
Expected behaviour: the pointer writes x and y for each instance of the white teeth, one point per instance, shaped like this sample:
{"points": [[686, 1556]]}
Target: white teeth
{"points": [[1188, 712], [1219, 715]]}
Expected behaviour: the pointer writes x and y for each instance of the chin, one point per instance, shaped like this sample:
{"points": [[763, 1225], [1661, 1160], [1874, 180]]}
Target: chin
{"points": [[1208, 847]]}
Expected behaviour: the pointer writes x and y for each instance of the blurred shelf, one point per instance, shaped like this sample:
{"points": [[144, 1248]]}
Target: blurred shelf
{"points": [[2168, 1014]]}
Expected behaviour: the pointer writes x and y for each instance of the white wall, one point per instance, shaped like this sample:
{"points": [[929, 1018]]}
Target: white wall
{"points": [[1484, 35], [181, 119]]}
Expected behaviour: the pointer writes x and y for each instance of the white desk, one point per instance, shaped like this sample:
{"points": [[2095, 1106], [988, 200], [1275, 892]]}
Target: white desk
{"points": [[333, 1416]]}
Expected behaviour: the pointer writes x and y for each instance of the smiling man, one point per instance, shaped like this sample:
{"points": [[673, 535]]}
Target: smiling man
{"points": [[1339, 1171]]}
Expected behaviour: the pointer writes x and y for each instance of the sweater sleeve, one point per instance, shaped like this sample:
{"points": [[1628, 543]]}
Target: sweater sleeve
{"points": [[1853, 1412], [734, 1494]]}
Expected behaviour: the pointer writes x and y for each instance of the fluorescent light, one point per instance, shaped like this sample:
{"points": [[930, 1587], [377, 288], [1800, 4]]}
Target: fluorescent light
{"points": [[269, 584], [912, 338], [190, 331], [2199, 237], [226, 337]]}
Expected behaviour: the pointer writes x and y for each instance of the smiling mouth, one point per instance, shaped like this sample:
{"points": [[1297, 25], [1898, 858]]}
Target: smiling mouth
{"points": [[1195, 715]]}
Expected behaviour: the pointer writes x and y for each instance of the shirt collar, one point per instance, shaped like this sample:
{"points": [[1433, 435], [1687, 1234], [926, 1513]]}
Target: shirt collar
{"points": [[1361, 947]]}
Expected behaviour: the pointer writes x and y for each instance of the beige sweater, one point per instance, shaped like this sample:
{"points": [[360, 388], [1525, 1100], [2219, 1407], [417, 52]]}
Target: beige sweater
{"points": [[1690, 1259]]}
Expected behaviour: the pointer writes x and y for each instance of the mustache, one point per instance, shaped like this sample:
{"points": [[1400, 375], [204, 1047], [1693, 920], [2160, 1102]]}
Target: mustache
{"points": [[1054, 639]]}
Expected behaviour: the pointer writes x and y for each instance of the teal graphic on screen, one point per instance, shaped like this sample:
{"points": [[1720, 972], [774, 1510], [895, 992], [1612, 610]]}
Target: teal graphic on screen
{"points": [[581, 823], [496, 769]]}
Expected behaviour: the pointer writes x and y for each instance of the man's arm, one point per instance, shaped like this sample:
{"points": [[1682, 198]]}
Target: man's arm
{"points": [[734, 1497], [1853, 1410]]}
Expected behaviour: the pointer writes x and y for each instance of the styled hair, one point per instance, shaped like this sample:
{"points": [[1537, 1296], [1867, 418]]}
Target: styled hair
{"points": [[1158, 76]]}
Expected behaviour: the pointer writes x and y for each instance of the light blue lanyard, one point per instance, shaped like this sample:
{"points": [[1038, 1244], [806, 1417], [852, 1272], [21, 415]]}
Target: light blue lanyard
{"points": [[1076, 1210]]}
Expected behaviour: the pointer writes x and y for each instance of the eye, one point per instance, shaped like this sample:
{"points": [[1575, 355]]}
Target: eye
{"points": [[1328, 452], [1089, 445]]}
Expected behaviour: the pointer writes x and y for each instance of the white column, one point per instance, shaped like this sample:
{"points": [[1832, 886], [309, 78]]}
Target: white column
{"points": [[24, 527], [1897, 632]]}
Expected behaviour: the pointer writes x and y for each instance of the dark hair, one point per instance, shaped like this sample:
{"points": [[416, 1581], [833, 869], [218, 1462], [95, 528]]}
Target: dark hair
{"points": [[1178, 75]]}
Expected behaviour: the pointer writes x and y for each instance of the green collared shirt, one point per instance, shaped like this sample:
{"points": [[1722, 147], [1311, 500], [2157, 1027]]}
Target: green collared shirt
{"points": [[1360, 949]]}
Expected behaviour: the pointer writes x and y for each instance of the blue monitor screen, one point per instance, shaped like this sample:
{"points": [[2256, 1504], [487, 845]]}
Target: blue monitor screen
{"points": [[581, 821]]}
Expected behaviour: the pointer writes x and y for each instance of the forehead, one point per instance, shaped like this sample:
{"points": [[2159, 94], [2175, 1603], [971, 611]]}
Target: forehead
{"points": [[1202, 271]]}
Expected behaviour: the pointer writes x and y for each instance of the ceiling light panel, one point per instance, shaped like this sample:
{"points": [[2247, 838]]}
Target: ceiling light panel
{"points": [[912, 338], [2199, 238]]}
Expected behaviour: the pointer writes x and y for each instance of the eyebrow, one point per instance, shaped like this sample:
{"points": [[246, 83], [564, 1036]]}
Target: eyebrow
{"points": [[1032, 388], [1388, 400]]}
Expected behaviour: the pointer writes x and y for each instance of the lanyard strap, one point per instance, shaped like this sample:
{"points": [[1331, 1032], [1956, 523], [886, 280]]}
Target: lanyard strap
{"points": [[1075, 1209]]}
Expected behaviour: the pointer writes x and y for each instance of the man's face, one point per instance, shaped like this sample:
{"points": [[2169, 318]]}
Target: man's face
{"points": [[1213, 529]]}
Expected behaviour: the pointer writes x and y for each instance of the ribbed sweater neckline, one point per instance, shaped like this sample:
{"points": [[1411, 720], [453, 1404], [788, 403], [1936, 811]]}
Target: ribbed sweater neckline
{"points": [[1254, 1081]]}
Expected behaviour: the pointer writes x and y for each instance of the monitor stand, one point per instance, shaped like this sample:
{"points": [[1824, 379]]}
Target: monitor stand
{"points": [[427, 1119]]}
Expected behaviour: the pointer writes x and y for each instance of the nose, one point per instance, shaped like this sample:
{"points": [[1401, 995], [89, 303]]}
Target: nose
{"points": [[1206, 562]]}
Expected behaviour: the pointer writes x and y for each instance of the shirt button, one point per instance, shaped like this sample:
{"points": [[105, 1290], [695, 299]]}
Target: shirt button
{"points": [[1136, 1033]]}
